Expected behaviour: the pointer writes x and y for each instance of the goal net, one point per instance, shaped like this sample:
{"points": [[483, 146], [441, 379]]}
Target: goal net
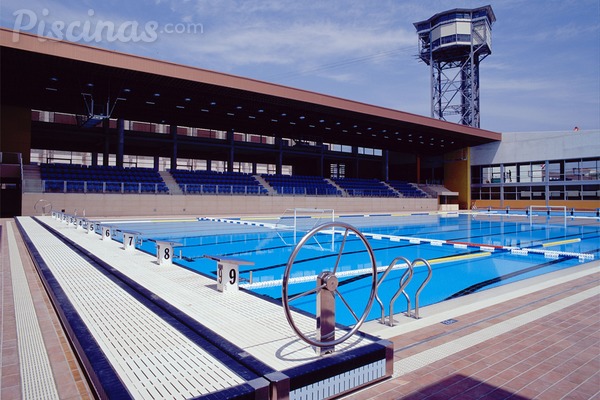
{"points": [[548, 215], [296, 222]]}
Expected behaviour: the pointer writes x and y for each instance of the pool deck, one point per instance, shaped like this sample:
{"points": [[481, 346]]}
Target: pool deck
{"points": [[538, 338]]}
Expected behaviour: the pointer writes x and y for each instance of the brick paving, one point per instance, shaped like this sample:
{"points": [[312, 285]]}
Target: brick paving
{"points": [[553, 357]]}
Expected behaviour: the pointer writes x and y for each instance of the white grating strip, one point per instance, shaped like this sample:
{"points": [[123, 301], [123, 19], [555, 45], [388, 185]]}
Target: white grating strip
{"points": [[232, 315], [335, 385], [153, 359], [37, 380], [414, 362]]}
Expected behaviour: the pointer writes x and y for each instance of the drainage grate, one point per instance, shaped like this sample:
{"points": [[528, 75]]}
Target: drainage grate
{"points": [[449, 321], [37, 380]]}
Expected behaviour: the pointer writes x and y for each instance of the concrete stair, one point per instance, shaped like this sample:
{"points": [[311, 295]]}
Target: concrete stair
{"points": [[32, 179], [170, 182], [265, 184]]}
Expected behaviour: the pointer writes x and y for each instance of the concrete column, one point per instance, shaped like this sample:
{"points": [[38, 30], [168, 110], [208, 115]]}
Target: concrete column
{"points": [[120, 141], [106, 151], [386, 160], [279, 165], [173, 133], [231, 141]]}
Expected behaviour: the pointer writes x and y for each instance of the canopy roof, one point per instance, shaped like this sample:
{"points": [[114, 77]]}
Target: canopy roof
{"points": [[49, 75]]}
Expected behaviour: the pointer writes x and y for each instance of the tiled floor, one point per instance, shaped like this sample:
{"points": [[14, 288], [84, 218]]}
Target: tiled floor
{"points": [[554, 355]]}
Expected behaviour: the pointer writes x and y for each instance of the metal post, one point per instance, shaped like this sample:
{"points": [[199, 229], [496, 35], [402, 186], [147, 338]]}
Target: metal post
{"points": [[326, 310]]}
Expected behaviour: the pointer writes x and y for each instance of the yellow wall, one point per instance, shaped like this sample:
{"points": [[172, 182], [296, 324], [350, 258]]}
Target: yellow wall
{"points": [[15, 131], [457, 175]]}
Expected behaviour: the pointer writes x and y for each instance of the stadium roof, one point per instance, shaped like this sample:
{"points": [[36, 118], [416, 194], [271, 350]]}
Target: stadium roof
{"points": [[49, 75]]}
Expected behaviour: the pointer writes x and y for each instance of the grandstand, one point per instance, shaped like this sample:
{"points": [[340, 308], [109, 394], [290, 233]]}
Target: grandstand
{"points": [[365, 187], [407, 189], [208, 182], [72, 178], [301, 185], [78, 178]]}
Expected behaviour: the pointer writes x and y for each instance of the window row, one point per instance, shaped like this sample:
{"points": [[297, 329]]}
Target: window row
{"points": [[542, 171], [555, 192]]}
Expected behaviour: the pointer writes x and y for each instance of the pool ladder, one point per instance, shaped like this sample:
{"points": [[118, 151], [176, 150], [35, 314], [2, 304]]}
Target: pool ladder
{"points": [[404, 281]]}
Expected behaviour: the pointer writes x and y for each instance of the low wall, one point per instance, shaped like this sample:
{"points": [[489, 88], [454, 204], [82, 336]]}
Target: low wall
{"points": [[106, 205]]}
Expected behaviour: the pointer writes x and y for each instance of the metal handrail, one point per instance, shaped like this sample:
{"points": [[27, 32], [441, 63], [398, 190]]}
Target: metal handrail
{"points": [[402, 286], [404, 281], [423, 284], [408, 273], [385, 274]]}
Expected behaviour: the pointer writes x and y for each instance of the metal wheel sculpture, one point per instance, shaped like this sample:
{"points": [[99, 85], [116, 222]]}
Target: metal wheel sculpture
{"points": [[327, 283], [43, 206]]}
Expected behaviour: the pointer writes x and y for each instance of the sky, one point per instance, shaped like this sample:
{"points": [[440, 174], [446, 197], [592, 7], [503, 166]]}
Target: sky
{"points": [[543, 73]]}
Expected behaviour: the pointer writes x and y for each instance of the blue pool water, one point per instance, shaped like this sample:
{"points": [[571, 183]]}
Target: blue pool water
{"points": [[452, 243]]}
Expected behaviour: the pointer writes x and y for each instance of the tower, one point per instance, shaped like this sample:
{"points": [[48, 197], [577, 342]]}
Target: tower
{"points": [[453, 43]]}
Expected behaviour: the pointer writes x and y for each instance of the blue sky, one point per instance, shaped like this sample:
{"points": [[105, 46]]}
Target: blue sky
{"points": [[543, 73]]}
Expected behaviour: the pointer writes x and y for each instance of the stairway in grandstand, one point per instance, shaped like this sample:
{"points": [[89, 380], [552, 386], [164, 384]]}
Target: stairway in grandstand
{"points": [[265, 184], [32, 179], [170, 182]]}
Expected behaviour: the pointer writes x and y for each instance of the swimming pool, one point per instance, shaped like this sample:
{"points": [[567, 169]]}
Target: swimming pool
{"points": [[468, 253]]}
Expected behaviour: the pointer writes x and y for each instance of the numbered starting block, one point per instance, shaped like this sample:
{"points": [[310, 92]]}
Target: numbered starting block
{"points": [[130, 240], [164, 251], [91, 227], [228, 272], [106, 232], [80, 222]]}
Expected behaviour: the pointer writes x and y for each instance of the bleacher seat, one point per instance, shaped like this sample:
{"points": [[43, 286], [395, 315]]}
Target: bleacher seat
{"points": [[75, 178], [210, 182], [301, 185], [407, 189], [364, 187]]}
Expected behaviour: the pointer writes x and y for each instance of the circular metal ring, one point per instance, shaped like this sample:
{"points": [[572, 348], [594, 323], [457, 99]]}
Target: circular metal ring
{"points": [[331, 283]]}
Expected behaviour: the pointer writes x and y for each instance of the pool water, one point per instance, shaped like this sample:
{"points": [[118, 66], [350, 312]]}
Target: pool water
{"points": [[468, 253]]}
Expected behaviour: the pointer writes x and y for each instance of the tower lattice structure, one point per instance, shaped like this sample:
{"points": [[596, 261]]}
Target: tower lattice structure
{"points": [[453, 43]]}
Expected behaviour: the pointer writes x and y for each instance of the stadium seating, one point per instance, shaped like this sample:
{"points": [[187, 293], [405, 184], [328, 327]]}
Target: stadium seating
{"points": [[358, 187], [301, 185], [209, 182], [75, 178], [407, 189]]}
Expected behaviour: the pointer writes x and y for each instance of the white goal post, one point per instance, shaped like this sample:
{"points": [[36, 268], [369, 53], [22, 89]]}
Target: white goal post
{"points": [[302, 220], [547, 213]]}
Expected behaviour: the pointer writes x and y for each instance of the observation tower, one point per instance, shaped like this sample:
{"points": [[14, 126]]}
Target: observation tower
{"points": [[453, 43]]}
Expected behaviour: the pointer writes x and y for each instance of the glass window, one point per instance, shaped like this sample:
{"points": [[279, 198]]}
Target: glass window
{"points": [[589, 170], [538, 192], [494, 193], [572, 171], [492, 174], [476, 175], [573, 192], [510, 193], [510, 173], [538, 171], [524, 193], [554, 173], [557, 192], [524, 173]]}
